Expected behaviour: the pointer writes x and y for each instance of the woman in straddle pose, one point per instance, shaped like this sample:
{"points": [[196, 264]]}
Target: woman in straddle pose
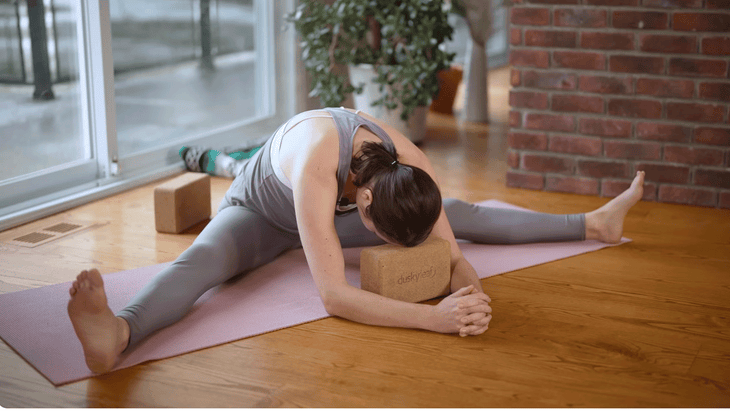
{"points": [[326, 180]]}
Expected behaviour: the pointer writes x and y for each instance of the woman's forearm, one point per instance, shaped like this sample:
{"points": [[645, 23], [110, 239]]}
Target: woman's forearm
{"points": [[365, 307], [463, 275]]}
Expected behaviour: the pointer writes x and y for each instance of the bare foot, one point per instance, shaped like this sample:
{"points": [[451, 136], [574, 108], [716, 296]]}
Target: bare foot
{"points": [[606, 224], [102, 335]]}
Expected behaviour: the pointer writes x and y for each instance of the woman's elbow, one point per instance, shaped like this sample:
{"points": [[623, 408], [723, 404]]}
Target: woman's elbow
{"points": [[333, 301]]}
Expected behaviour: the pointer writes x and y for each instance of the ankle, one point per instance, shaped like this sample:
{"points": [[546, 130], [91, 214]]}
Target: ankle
{"points": [[592, 227], [124, 334]]}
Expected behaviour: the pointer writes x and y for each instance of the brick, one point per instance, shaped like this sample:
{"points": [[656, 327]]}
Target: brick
{"points": [[550, 38], [607, 41], [515, 118], [612, 188], [537, 121], [712, 178], [601, 169], [636, 64], [549, 80], [527, 141], [579, 60], [670, 4], [515, 78], [575, 185], [588, 146], [697, 68], [528, 99], [513, 158], [715, 91], [530, 16], [724, 199], [701, 22], [658, 43], [665, 88], [662, 173], [687, 195], [716, 46], [531, 58], [604, 84], [694, 155], [524, 180], [580, 18], [663, 132], [547, 163], [605, 128], [632, 150], [718, 4], [574, 103], [706, 113], [635, 108], [712, 136], [613, 3], [646, 20], [515, 36]]}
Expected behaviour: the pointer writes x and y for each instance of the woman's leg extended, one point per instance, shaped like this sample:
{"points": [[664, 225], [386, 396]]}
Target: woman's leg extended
{"points": [[235, 241], [504, 226], [480, 225], [490, 225]]}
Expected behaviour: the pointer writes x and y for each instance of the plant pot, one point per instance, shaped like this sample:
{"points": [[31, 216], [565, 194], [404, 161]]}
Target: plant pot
{"points": [[449, 81], [414, 128]]}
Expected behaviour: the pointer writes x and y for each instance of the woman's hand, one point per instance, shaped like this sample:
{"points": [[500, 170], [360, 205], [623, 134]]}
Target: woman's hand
{"points": [[466, 312]]}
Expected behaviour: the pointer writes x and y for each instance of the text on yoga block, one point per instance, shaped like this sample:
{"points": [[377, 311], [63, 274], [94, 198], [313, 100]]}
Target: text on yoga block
{"points": [[411, 274], [182, 202]]}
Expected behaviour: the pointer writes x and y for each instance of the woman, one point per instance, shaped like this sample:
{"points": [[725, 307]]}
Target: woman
{"points": [[326, 180]]}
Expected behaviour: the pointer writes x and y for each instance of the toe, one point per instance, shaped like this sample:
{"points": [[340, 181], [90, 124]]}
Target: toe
{"points": [[94, 278], [72, 291]]}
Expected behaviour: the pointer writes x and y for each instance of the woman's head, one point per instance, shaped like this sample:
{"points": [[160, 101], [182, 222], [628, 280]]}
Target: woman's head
{"points": [[400, 203]]}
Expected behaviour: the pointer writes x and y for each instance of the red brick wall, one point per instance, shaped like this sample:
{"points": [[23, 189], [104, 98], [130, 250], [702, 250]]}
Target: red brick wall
{"points": [[603, 88]]}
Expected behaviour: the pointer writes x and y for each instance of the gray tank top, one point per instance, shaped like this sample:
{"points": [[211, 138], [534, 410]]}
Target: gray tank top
{"points": [[259, 188]]}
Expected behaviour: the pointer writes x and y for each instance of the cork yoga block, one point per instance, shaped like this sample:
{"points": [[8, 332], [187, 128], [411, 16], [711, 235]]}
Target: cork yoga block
{"points": [[182, 202], [411, 274]]}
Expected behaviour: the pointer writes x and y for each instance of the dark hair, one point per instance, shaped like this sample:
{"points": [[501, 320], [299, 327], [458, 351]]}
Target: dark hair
{"points": [[406, 200]]}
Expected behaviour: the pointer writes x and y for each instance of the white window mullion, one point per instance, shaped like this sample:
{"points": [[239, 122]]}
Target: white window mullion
{"points": [[99, 71]]}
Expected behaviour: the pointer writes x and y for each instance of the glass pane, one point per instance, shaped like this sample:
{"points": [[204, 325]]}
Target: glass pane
{"points": [[40, 113], [179, 74]]}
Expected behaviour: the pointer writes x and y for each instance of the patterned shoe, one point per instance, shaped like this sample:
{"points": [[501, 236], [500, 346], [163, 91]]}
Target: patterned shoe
{"points": [[191, 156]]}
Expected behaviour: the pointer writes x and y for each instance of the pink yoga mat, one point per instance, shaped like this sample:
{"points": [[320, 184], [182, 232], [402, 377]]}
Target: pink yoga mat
{"points": [[278, 295]]}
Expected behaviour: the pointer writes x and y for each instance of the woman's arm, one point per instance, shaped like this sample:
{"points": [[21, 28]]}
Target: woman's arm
{"points": [[315, 190]]}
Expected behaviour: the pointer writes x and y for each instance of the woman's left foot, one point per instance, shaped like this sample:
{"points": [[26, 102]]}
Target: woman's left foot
{"points": [[606, 224]]}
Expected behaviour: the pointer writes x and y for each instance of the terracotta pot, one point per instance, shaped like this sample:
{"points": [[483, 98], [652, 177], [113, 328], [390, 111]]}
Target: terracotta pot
{"points": [[449, 81]]}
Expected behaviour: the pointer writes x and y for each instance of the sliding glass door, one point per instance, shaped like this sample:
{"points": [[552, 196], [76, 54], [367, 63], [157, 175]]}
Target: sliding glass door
{"points": [[98, 93], [45, 138]]}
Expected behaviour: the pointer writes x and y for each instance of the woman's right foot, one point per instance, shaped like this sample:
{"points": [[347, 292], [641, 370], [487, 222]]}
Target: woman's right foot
{"points": [[102, 335], [606, 224]]}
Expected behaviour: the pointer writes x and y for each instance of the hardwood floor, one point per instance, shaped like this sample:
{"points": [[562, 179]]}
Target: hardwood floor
{"points": [[645, 324]]}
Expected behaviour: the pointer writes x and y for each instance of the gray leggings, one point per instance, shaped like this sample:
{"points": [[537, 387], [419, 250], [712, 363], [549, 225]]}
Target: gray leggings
{"points": [[238, 240]]}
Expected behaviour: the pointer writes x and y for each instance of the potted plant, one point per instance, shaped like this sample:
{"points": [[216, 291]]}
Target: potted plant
{"points": [[393, 51]]}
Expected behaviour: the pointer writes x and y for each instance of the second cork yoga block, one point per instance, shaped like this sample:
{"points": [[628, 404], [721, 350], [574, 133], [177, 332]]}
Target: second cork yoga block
{"points": [[411, 274], [182, 202]]}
